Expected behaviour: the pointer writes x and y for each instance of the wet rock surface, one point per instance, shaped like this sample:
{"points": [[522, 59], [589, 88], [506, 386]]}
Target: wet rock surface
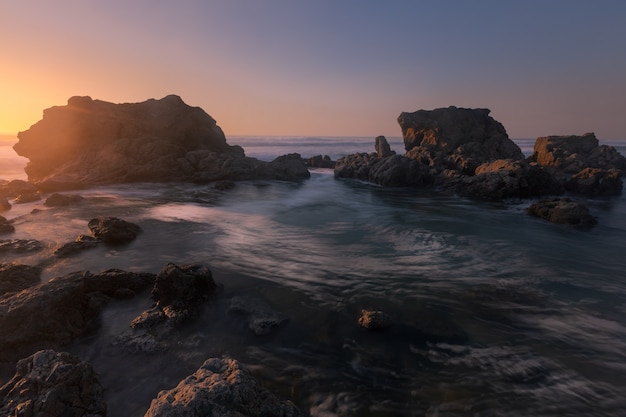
{"points": [[16, 277], [563, 211], [20, 245], [113, 231], [50, 383], [375, 320], [63, 200], [220, 387]]}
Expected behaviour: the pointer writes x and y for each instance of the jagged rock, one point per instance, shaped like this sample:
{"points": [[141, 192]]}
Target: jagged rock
{"points": [[262, 318], [20, 245], [16, 277], [6, 226], [392, 171], [220, 387], [375, 320], [502, 179], [319, 161], [178, 293], [81, 243], [596, 182], [63, 200], [95, 142], [382, 147], [54, 313], [563, 211], [112, 230], [455, 138], [50, 383], [571, 154]]}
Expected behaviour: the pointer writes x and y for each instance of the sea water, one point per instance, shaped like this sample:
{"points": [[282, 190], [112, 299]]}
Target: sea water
{"points": [[495, 313]]}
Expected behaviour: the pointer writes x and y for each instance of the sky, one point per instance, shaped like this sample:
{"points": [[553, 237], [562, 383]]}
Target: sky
{"points": [[323, 68]]}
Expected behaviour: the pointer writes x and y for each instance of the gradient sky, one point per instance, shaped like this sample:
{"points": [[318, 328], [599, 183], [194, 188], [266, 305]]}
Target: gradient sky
{"points": [[264, 67]]}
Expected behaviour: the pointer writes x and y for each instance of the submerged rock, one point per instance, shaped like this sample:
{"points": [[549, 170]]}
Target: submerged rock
{"points": [[220, 387], [91, 142], [262, 318], [81, 243], [63, 200], [113, 230], [563, 211], [20, 245], [50, 383]]}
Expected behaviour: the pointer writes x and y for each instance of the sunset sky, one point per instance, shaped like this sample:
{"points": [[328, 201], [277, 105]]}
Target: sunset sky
{"points": [[265, 67]]}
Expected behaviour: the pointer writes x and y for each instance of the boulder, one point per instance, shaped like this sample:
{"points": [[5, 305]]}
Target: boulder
{"points": [[50, 383], [220, 387], [571, 154], [319, 161], [16, 277], [81, 243], [455, 138], [178, 294], [91, 142], [4, 204], [15, 188], [63, 200], [563, 211], [262, 318], [375, 320], [54, 313], [113, 231], [6, 226], [390, 171], [27, 198]]}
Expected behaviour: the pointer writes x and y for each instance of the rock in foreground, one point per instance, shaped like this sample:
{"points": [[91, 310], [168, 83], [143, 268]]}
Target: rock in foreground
{"points": [[53, 384], [220, 387], [92, 142]]}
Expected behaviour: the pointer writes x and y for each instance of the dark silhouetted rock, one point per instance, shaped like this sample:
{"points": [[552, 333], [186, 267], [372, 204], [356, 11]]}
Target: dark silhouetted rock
{"points": [[375, 320], [220, 387], [563, 211], [95, 142], [4, 204], [6, 226], [571, 154], [319, 161], [392, 171], [456, 138], [224, 185], [113, 230], [262, 318], [20, 245], [178, 294], [81, 243], [382, 147], [27, 198], [50, 383], [596, 182], [290, 167], [16, 277], [63, 200], [15, 188]]}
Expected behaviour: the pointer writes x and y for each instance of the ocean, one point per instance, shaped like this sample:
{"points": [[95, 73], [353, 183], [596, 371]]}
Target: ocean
{"points": [[495, 313]]}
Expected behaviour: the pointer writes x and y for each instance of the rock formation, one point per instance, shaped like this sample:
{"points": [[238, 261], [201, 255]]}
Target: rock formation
{"points": [[95, 142], [220, 387], [50, 383], [16, 277], [112, 230], [584, 166], [54, 313]]}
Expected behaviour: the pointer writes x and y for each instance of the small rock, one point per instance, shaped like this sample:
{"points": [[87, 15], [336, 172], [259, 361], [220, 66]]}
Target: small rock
{"points": [[6, 226], [81, 243], [20, 245], [27, 198], [63, 200], [4, 204], [563, 211], [375, 320]]}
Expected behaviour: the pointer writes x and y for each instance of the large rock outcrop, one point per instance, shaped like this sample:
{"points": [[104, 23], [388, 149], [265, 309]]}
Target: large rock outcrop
{"points": [[96, 142], [456, 139], [220, 387], [50, 383], [581, 163]]}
